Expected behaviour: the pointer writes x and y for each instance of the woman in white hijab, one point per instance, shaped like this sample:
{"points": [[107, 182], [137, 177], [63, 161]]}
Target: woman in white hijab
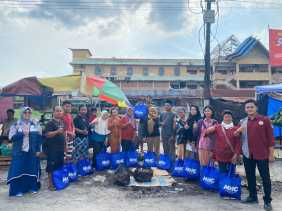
{"points": [[99, 133], [24, 171]]}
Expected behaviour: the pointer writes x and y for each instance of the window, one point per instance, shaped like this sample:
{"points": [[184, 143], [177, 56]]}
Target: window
{"points": [[252, 84], [192, 86], [177, 71], [113, 71], [145, 71], [129, 71], [192, 71], [98, 70], [161, 71], [253, 67]]}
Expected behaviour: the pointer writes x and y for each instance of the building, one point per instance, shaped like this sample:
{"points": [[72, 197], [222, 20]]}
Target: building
{"points": [[237, 69], [180, 80]]}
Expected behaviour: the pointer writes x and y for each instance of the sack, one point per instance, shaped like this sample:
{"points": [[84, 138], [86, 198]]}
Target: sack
{"points": [[140, 111], [60, 179], [103, 161], [131, 159], [178, 169], [72, 171], [192, 169], [117, 159], [230, 184], [209, 177], [122, 176], [164, 162], [84, 167], [149, 159], [143, 174]]}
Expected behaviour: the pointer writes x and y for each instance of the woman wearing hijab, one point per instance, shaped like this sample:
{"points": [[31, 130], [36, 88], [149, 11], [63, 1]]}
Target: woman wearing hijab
{"points": [[99, 132], [24, 172], [205, 142], [227, 145], [193, 118], [153, 131], [128, 131], [114, 125]]}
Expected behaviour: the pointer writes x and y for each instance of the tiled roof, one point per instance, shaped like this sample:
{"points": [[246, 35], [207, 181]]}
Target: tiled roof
{"points": [[117, 61]]}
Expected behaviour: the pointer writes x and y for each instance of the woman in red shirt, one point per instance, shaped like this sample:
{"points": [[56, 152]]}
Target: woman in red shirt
{"points": [[227, 145]]}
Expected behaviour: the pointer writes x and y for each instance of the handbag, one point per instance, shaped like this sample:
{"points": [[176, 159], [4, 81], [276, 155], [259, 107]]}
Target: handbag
{"points": [[230, 184], [60, 179], [72, 171], [192, 168], [149, 159], [84, 167], [117, 159], [209, 177], [164, 162], [131, 159], [103, 161], [178, 169]]}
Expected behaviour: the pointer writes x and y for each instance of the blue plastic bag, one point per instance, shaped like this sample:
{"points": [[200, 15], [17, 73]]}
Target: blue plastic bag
{"points": [[149, 159], [192, 169], [209, 177], [230, 184], [84, 167], [164, 162], [60, 179], [72, 171], [117, 159], [178, 169], [131, 159], [140, 111], [103, 161]]}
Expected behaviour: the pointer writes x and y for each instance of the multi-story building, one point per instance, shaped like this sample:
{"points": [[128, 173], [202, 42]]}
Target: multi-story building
{"points": [[237, 69]]}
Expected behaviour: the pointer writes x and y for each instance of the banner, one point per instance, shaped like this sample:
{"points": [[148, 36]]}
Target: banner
{"points": [[275, 47]]}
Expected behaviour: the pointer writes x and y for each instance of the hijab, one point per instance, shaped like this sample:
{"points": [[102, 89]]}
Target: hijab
{"points": [[101, 126]]}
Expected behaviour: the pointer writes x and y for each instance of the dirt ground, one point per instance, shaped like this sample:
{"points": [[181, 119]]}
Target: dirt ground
{"points": [[96, 192]]}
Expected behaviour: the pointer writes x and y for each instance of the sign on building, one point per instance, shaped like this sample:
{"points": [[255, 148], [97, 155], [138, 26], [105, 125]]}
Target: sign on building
{"points": [[275, 47]]}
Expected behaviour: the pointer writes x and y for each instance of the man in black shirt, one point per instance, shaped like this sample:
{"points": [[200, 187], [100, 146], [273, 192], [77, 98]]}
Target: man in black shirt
{"points": [[81, 125], [55, 140]]}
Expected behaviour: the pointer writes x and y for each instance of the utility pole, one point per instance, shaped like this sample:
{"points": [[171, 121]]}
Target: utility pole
{"points": [[209, 18]]}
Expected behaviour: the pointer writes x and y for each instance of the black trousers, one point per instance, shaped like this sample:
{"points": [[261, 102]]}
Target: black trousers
{"points": [[250, 169], [97, 148], [223, 167]]}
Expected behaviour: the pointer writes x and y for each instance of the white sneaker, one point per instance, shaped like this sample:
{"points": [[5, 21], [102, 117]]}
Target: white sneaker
{"points": [[19, 195]]}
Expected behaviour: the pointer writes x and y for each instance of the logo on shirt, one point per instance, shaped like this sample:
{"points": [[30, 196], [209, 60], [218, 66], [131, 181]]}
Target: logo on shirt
{"points": [[260, 123]]}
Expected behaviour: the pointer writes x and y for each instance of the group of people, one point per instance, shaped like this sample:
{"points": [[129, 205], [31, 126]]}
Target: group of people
{"points": [[65, 139]]}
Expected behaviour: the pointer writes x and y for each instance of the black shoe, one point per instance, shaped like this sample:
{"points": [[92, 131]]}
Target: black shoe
{"points": [[267, 206], [250, 200]]}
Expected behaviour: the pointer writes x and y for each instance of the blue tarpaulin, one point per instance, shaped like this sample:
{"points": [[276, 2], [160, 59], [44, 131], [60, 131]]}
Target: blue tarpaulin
{"points": [[269, 89], [274, 106]]}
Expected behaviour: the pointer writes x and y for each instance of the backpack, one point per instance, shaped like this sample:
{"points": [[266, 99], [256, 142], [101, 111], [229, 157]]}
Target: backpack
{"points": [[143, 174], [122, 176]]}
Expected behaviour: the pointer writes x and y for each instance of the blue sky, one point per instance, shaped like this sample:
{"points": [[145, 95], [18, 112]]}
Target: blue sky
{"points": [[35, 36]]}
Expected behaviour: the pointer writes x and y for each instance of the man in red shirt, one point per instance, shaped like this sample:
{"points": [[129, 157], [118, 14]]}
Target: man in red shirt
{"points": [[128, 131], [258, 147], [69, 129]]}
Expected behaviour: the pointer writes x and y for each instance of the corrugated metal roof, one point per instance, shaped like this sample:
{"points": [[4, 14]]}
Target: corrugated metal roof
{"points": [[118, 61], [245, 48]]}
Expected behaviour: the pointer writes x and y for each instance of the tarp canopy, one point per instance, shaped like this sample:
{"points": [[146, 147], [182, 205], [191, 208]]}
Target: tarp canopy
{"points": [[26, 87], [68, 83], [269, 89], [274, 106]]}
